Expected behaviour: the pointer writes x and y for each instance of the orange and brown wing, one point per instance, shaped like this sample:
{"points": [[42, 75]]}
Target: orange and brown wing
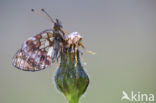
{"points": [[37, 53]]}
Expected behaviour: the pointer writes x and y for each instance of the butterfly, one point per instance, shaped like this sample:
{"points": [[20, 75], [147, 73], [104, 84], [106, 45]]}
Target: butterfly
{"points": [[40, 51]]}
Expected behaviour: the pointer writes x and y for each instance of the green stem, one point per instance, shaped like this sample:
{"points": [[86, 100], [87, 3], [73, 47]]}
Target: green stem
{"points": [[72, 99]]}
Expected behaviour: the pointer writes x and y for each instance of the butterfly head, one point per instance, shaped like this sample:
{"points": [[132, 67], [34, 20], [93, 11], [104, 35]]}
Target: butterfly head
{"points": [[57, 25]]}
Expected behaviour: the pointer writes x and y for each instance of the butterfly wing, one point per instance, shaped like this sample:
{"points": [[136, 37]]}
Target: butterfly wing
{"points": [[37, 52]]}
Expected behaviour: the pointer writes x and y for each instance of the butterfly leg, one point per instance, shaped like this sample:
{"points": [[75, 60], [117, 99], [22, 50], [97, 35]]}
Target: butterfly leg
{"points": [[88, 51], [64, 33], [82, 45], [76, 49]]}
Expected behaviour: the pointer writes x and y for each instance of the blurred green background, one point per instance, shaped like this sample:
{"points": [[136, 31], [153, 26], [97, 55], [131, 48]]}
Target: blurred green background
{"points": [[121, 32]]}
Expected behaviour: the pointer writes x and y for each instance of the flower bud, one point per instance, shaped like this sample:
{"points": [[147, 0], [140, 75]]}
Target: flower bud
{"points": [[71, 79]]}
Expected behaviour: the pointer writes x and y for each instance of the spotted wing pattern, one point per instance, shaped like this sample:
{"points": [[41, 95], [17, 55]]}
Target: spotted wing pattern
{"points": [[37, 52]]}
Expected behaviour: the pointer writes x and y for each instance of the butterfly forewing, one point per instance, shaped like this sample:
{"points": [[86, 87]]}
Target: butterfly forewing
{"points": [[37, 52]]}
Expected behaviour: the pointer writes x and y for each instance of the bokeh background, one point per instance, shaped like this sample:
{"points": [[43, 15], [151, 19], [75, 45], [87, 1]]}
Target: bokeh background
{"points": [[121, 32]]}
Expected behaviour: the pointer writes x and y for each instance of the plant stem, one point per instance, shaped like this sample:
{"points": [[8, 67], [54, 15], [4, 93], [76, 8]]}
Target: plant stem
{"points": [[72, 99]]}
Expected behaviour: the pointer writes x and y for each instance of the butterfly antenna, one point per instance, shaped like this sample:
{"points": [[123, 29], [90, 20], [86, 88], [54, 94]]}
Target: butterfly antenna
{"points": [[48, 15], [38, 13]]}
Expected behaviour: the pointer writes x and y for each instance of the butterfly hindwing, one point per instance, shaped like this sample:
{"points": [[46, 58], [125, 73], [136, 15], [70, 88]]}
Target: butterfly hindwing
{"points": [[37, 53]]}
